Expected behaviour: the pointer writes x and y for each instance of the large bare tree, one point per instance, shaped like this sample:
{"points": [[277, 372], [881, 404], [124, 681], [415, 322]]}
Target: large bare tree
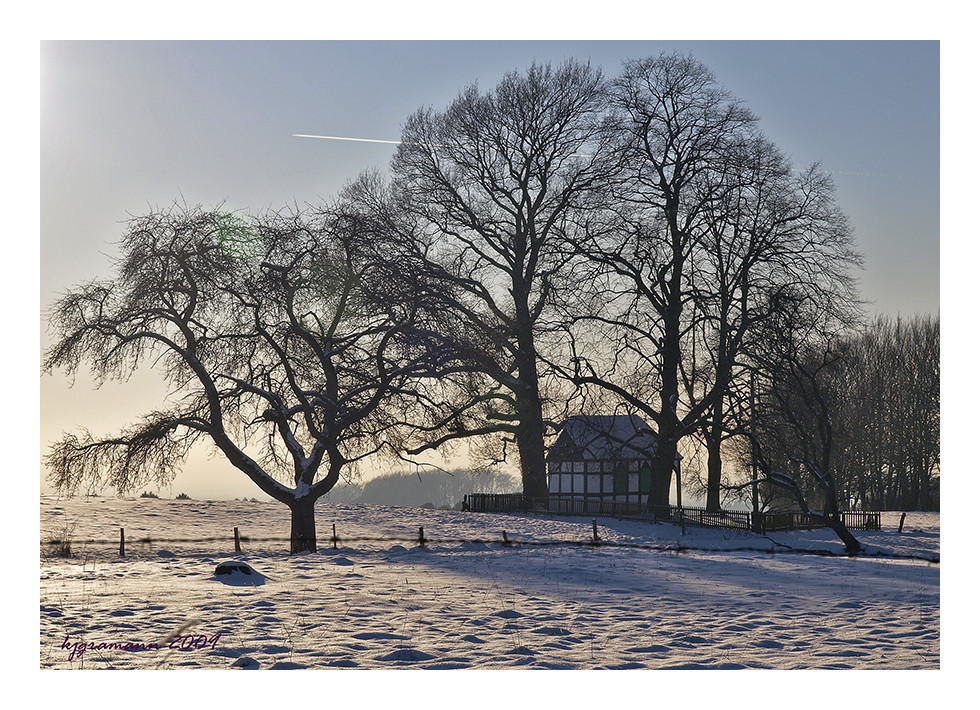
{"points": [[494, 186], [710, 220], [774, 230], [680, 133], [274, 349]]}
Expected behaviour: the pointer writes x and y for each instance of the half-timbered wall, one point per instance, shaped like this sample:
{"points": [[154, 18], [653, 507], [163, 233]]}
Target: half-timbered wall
{"points": [[621, 481]]}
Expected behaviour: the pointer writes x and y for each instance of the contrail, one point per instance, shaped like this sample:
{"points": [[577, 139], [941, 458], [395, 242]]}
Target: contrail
{"points": [[339, 138], [377, 140], [574, 155]]}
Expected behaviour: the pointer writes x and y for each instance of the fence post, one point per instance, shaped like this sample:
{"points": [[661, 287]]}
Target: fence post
{"points": [[506, 541], [238, 541], [595, 532], [421, 538], [901, 522], [122, 542], [334, 538]]}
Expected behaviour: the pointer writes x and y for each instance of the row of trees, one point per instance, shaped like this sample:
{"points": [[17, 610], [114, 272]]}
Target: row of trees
{"points": [[846, 419], [561, 243], [891, 459], [882, 396]]}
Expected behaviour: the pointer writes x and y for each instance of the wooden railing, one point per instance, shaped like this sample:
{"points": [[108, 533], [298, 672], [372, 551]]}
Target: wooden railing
{"points": [[697, 517]]}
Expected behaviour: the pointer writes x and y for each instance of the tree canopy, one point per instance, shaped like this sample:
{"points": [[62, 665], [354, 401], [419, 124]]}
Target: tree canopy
{"points": [[270, 334]]}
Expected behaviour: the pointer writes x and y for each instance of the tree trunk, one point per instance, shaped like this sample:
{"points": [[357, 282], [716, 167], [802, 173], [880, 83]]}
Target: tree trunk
{"points": [[302, 534], [669, 427], [530, 447], [713, 501], [530, 431], [663, 469], [851, 545]]}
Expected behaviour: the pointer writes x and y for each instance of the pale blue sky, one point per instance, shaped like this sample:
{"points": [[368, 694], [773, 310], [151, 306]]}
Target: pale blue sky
{"points": [[125, 125]]}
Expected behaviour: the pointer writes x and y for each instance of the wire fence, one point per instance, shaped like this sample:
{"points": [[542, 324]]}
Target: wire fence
{"points": [[504, 541], [761, 522]]}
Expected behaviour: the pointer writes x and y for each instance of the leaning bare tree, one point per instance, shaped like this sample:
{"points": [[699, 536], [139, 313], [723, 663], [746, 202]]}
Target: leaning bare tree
{"points": [[493, 185], [794, 431], [274, 351]]}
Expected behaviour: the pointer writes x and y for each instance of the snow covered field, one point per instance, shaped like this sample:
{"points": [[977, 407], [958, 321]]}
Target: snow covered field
{"points": [[731, 600]]}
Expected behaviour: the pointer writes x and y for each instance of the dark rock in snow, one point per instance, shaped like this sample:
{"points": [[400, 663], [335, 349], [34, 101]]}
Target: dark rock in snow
{"points": [[238, 574]]}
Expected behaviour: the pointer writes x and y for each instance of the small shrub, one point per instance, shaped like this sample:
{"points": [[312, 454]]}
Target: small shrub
{"points": [[183, 496], [60, 541], [148, 494]]}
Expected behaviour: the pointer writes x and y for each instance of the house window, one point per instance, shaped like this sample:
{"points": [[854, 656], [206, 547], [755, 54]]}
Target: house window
{"points": [[620, 481], [645, 478], [593, 484]]}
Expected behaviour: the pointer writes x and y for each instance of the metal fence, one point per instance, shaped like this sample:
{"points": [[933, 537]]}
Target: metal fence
{"points": [[770, 521]]}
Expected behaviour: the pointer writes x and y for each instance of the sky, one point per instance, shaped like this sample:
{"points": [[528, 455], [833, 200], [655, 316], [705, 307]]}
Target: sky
{"points": [[129, 126]]}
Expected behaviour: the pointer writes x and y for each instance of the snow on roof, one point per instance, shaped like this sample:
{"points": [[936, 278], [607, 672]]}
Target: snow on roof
{"points": [[603, 438]]}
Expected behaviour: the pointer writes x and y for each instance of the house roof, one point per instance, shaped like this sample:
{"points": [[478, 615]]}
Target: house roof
{"points": [[604, 438]]}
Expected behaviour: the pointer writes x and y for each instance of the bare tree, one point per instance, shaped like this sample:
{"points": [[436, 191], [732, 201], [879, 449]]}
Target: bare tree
{"points": [[492, 188], [709, 222], [772, 231], [272, 346], [681, 133], [795, 430]]}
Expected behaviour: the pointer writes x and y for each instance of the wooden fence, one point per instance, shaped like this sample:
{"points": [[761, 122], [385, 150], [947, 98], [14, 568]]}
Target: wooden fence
{"points": [[698, 517]]}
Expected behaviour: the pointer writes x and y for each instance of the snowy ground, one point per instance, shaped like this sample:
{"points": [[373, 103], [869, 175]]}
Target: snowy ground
{"points": [[730, 600]]}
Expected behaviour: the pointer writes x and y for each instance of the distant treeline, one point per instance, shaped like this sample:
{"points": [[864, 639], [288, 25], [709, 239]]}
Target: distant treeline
{"points": [[435, 489], [888, 457]]}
